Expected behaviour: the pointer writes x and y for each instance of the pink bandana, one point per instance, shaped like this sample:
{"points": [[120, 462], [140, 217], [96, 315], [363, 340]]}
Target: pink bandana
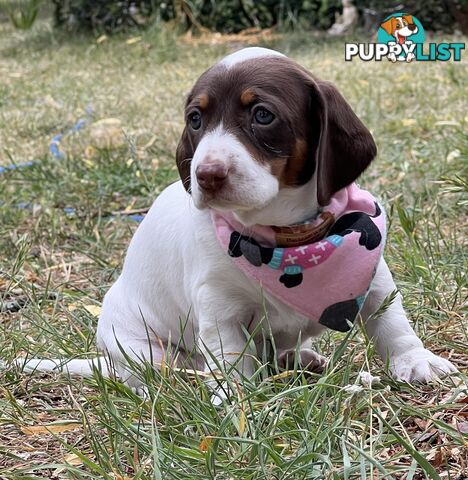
{"points": [[321, 268]]}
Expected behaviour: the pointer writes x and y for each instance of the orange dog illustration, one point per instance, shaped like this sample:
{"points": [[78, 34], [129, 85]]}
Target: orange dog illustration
{"points": [[400, 28]]}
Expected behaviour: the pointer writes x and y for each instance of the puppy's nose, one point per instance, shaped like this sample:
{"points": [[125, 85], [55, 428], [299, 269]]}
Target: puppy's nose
{"points": [[211, 176], [412, 26]]}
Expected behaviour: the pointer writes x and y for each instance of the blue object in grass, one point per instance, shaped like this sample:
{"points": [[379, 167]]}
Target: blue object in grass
{"points": [[54, 144], [56, 139], [15, 166]]}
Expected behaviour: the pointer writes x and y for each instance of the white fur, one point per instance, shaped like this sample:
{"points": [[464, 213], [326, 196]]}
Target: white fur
{"points": [[248, 54], [249, 184]]}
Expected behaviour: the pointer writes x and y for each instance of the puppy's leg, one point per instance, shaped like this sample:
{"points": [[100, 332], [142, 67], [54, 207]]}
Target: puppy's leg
{"points": [[221, 336], [125, 353], [395, 339]]}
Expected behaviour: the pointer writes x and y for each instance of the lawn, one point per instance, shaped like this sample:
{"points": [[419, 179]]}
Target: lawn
{"points": [[66, 221]]}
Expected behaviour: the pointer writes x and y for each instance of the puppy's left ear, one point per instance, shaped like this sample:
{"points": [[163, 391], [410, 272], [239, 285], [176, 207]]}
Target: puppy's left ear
{"points": [[184, 154], [345, 146]]}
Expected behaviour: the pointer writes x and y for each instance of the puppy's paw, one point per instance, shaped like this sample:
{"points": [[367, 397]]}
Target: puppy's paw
{"points": [[420, 366], [308, 360], [141, 390], [220, 393]]}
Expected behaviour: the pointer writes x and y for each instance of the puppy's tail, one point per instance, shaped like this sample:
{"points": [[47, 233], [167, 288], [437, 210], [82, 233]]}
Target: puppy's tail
{"points": [[82, 367]]}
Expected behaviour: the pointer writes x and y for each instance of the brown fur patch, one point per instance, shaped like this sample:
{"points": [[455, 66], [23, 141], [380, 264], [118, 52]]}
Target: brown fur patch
{"points": [[247, 97], [277, 167], [292, 173], [203, 100]]}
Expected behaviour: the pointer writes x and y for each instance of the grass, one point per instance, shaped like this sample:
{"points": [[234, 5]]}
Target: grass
{"points": [[56, 264]]}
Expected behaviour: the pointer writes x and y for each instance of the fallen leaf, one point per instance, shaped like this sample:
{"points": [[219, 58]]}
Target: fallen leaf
{"points": [[72, 307], [49, 428], [133, 40], [93, 310], [242, 422], [89, 151], [422, 424], [72, 459], [407, 122], [101, 39], [453, 155], [449, 123], [205, 443]]}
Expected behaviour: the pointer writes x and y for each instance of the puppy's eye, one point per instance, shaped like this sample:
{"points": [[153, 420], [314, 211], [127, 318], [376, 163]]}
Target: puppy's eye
{"points": [[195, 120], [263, 116]]}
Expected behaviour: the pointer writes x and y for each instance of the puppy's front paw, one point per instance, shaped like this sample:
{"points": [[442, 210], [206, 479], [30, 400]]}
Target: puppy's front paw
{"points": [[420, 366], [220, 393], [308, 360]]}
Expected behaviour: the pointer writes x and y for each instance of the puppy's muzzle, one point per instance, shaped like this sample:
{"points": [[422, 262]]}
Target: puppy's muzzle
{"points": [[211, 176]]}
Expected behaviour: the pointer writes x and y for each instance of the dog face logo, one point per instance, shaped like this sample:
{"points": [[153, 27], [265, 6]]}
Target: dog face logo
{"points": [[401, 32], [400, 27]]}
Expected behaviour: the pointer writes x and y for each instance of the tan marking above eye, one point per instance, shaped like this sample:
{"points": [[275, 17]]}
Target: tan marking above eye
{"points": [[203, 100], [247, 97]]}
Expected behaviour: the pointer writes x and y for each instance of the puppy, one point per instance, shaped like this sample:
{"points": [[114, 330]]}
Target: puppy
{"points": [[266, 232], [400, 28]]}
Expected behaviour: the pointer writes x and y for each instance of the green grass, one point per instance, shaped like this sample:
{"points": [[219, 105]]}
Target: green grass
{"points": [[57, 267]]}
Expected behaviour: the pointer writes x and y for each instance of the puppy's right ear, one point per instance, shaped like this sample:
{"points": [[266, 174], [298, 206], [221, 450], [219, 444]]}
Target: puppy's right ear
{"points": [[184, 155], [389, 25]]}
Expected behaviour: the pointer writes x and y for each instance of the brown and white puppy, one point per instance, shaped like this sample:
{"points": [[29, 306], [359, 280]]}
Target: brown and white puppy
{"points": [[269, 142], [400, 28]]}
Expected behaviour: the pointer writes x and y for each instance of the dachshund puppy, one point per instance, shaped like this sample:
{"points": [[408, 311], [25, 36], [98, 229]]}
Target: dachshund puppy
{"points": [[266, 232]]}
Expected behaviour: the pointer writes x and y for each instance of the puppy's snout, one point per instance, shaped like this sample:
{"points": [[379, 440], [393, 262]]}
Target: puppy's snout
{"points": [[412, 27], [211, 176]]}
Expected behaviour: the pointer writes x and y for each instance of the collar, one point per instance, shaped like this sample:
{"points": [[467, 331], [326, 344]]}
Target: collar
{"points": [[302, 233]]}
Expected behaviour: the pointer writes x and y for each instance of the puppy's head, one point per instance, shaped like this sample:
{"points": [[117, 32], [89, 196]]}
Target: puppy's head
{"points": [[400, 27], [259, 128]]}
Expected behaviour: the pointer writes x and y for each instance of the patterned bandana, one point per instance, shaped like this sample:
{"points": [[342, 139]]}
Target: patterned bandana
{"points": [[321, 268]]}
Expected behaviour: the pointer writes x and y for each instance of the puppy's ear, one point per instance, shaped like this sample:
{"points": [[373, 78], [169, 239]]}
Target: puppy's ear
{"points": [[345, 146], [408, 18], [389, 25], [184, 154]]}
